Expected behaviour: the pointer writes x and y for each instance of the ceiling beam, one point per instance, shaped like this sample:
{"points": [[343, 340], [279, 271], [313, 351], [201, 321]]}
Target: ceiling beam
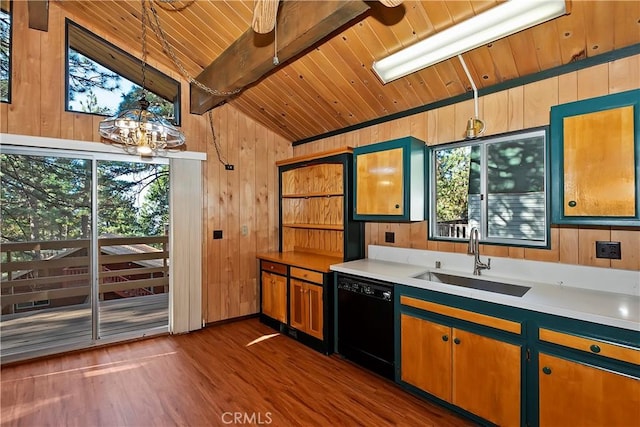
{"points": [[300, 25], [39, 15]]}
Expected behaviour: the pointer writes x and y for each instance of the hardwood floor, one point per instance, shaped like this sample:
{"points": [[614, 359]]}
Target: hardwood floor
{"points": [[236, 373]]}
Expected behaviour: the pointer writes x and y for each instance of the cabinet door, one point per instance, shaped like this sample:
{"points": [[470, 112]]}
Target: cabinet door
{"points": [[487, 377], [280, 298], [595, 150], [380, 182], [572, 393], [297, 304], [267, 293], [425, 355], [314, 310]]}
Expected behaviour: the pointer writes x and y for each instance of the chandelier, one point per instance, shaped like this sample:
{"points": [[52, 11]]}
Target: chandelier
{"points": [[140, 130]]}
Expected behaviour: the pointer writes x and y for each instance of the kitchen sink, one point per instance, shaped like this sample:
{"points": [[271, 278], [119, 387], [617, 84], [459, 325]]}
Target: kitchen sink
{"points": [[474, 283]]}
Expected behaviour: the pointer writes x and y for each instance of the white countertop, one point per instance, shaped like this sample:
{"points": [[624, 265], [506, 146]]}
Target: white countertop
{"points": [[607, 308]]}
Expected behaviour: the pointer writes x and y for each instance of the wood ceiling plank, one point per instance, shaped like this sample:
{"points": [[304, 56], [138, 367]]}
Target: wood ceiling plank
{"points": [[503, 61], [438, 14], [626, 17], [254, 61], [571, 34], [599, 20], [522, 47], [39, 15], [545, 37]]}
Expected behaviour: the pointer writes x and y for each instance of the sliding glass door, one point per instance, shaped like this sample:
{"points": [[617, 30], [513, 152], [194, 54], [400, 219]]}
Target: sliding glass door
{"points": [[84, 250]]}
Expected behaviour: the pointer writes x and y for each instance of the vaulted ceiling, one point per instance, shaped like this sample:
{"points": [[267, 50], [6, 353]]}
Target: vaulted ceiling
{"points": [[331, 85]]}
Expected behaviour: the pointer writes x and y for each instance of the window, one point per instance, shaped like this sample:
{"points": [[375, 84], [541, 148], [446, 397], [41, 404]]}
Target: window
{"points": [[103, 79], [5, 51], [498, 184]]}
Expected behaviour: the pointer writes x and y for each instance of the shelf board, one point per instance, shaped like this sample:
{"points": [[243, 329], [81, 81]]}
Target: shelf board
{"points": [[309, 195], [338, 227]]}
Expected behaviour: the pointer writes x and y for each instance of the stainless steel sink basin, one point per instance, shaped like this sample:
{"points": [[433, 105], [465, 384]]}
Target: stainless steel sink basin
{"points": [[474, 283]]}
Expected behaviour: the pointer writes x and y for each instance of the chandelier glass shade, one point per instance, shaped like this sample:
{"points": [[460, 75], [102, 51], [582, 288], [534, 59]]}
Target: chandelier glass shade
{"points": [[140, 131]]}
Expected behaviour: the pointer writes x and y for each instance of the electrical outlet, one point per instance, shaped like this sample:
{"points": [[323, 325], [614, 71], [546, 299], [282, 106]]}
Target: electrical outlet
{"points": [[228, 167], [608, 250], [217, 234], [244, 230], [389, 237]]}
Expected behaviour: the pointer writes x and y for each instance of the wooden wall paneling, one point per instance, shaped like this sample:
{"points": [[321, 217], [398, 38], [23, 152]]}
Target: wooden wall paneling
{"points": [[447, 131], [593, 81], [446, 246], [496, 112], [4, 117], [25, 108], [624, 74], [599, 19], [215, 214], [516, 252], [587, 249], [432, 127], [83, 128], [233, 212], [538, 99], [625, 30], [569, 241], [629, 246], [494, 250], [53, 73], [248, 208], [515, 108], [418, 235], [551, 255], [418, 125], [463, 111], [567, 88]]}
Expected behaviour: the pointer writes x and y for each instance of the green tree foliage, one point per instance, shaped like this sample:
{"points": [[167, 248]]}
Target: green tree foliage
{"points": [[157, 105], [5, 44], [92, 106], [452, 183], [49, 198], [86, 75]]}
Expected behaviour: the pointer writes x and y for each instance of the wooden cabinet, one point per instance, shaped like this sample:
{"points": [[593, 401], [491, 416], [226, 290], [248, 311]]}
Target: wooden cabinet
{"points": [[315, 206], [599, 386], [390, 181], [472, 371], [316, 230], [274, 292], [306, 307], [595, 154]]}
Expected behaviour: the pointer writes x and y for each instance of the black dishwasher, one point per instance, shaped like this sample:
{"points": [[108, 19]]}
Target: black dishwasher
{"points": [[365, 323]]}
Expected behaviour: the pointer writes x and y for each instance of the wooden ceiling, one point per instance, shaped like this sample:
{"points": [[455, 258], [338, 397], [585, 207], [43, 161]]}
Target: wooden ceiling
{"points": [[331, 85]]}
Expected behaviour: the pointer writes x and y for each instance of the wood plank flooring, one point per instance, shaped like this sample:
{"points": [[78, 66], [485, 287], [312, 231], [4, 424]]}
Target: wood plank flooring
{"points": [[206, 378]]}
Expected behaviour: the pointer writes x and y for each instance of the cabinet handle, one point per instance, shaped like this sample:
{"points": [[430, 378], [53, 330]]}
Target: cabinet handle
{"points": [[546, 370], [572, 203], [456, 340], [397, 206], [594, 348], [445, 338]]}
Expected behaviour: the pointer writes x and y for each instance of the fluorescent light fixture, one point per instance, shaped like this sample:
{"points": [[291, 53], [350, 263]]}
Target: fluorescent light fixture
{"points": [[498, 22]]}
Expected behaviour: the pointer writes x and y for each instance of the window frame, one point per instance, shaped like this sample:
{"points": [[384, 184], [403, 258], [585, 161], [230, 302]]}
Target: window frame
{"points": [[483, 143], [152, 74], [9, 12]]}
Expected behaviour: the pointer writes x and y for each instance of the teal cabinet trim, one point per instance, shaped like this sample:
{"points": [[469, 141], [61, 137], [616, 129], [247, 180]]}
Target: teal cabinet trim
{"points": [[415, 173], [558, 113]]}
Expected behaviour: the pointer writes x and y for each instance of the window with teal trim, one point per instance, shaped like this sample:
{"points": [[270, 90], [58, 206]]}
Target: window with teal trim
{"points": [[497, 184], [5, 51]]}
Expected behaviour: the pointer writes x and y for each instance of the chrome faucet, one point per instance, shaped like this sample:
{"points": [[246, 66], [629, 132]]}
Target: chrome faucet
{"points": [[474, 248]]}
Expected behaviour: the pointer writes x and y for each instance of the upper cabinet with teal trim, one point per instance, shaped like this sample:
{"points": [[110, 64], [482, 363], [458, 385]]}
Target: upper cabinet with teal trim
{"points": [[389, 181], [595, 166]]}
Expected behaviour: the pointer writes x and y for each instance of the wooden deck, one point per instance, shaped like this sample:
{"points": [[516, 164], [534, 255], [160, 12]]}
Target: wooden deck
{"points": [[63, 326]]}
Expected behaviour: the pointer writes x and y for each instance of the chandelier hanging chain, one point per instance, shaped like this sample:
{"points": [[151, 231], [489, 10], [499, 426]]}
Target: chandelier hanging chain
{"points": [[143, 19], [168, 49]]}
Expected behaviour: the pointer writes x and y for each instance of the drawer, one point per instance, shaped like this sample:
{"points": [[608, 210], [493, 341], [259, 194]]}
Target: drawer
{"points": [[308, 275], [274, 267], [458, 313], [592, 345]]}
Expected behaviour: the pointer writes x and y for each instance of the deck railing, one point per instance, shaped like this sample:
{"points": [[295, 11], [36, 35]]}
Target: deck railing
{"points": [[59, 271]]}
